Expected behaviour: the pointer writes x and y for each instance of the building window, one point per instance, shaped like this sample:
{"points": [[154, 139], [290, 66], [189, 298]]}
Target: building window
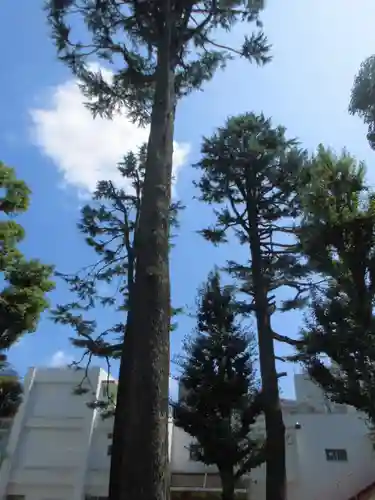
{"points": [[336, 455], [15, 497], [109, 390], [109, 448], [193, 452]]}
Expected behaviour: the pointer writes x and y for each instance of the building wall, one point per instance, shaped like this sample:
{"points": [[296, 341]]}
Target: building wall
{"points": [[58, 446], [310, 475], [312, 426], [49, 444]]}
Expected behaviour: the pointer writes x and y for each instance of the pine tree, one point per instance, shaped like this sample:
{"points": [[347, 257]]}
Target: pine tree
{"points": [[338, 237], [221, 397], [110, 225], [161, 50], [362, 101], [249, 171], [25, 282]]}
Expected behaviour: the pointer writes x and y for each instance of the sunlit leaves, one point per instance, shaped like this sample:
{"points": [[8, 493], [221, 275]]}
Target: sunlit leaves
{"points": [[25, 282], [338, 236]]}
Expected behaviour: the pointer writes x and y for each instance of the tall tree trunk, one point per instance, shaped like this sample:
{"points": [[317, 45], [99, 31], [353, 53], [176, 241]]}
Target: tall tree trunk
{"points": [[227, 484], [275, 429], [145, 473], [121, 412], [124, 384]]}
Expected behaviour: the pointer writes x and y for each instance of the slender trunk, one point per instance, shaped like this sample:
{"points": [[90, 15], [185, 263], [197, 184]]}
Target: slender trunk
{"points": [[227, 484], [275, 429], [120, 415], [124, 384], [145, 446]]}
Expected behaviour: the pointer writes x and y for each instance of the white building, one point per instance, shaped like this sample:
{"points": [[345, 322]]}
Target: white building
{"points": [[59, 449]]}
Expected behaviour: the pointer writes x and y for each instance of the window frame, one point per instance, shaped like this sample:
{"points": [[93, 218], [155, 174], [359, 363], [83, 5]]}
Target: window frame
{"points": [[336, 455], [193, 450]]}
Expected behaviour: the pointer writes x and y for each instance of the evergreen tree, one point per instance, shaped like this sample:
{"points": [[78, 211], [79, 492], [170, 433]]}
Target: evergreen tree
{"points": [[109, 224], [249, 171], [161, 50], [362, 101], [338, 237], [220, 400], [25, 282]]}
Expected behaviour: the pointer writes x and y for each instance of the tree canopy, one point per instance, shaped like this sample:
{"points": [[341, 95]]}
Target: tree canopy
{"points": [[338, 237], [194, 53]]}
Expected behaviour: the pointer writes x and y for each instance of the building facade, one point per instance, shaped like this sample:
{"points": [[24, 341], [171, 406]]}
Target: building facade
{"points": [[58, 447]]}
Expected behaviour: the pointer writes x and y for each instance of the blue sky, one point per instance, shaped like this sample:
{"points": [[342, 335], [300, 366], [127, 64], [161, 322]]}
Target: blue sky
{"points": [[60, 151]]}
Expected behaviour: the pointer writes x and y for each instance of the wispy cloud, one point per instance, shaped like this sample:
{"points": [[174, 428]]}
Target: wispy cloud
{"points": [[60, 359], [86, 150]]}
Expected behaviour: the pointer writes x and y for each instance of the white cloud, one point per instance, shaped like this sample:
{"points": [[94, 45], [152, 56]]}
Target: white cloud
{"points": [[86, 150], [60, 359]]}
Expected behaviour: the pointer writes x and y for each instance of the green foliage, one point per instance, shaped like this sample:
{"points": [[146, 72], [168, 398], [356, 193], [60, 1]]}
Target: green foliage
{"points": [[250, 173], [333, 195], [25, 282], [109, 224], [338, 236], [362, 102], [11, 392], [220, 400], [249, 167], [332, 188], [128, 35]]}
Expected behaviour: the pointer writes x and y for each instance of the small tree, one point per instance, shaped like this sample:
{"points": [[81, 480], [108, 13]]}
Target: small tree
{"points": [[26, 282], [161, 51], [221, 400], [249, 173], [338, 237]]}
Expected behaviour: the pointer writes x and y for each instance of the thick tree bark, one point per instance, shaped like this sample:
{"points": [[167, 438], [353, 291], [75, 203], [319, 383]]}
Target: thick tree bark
{"points": [[275, 429], [145, 472], [227, 484]]}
